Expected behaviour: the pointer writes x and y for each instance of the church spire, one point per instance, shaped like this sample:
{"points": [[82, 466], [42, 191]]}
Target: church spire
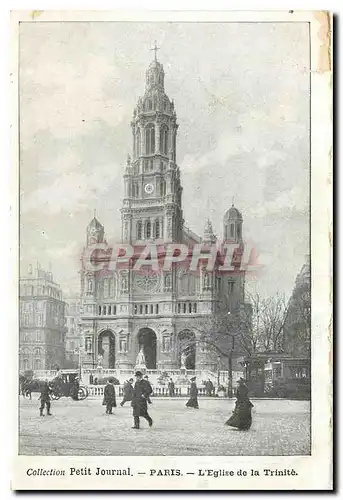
{"points": [[155, 48], [209, 235]]}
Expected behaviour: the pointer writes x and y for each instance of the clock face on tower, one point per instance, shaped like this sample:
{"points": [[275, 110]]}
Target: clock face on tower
{"points": [[149, 188]]}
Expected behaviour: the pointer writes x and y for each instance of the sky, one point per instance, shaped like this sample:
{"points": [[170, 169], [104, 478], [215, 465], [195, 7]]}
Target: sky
{"points": [[241, 93]]}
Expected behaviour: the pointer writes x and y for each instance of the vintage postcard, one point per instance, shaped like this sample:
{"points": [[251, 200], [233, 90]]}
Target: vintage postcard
{"points": [[174, 285]]}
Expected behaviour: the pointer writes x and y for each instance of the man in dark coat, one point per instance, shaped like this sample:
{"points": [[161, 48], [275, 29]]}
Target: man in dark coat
{"points": [[209, 387], [141, 393], [44, 397], [146, 378], [109, 396], [128, 391], [171, 388], [75, 389], [193, 395]]}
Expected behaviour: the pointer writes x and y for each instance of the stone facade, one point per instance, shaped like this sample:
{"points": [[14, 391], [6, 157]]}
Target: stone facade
{"points": [[42, 322], [123, 311], [297, 327], [72, 338]]}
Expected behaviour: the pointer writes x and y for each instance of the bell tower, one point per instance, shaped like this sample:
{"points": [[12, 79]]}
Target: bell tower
{"points": [[152, 205]]}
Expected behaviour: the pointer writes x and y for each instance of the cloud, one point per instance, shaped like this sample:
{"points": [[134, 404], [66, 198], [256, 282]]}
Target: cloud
{"points": [[292, 200], [71, 191]]}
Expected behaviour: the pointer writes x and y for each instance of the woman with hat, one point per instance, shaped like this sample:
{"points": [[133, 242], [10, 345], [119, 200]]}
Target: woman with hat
{"points": [[193, 395], [109, 396], [241, 417]]}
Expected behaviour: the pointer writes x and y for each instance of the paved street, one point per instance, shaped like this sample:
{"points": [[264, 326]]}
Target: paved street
{"points": [[82, 428]]}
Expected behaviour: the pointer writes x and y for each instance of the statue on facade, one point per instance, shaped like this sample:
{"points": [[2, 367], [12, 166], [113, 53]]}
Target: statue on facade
{"points": [[140, 361], [183, 360], [100, 360]]}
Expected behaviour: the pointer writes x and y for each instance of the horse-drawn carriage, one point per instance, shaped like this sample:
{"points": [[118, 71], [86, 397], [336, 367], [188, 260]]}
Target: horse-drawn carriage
{"points": [[66, 384]]}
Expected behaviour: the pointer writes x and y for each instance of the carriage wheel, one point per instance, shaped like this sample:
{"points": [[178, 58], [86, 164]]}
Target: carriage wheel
{"points": [[83, 393]]}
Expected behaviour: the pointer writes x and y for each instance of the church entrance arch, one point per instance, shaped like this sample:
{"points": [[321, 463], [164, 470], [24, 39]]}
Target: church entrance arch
{"points": [[187, 349], [106, 349], [147, 343]]}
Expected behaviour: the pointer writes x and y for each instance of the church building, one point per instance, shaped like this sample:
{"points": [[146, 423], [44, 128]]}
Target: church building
{"points": [[154, 316]]}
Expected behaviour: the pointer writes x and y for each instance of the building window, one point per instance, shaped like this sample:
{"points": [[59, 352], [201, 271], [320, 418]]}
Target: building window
{"points": [[239, 231], [156, 309], [163, 188], [151, 309], [109, 310], [114, 310], [195, 307], [138, 142], [139, 230], [26, 337], [26, 364], [104, 309], [146, 309], [157, 230], [37, 364], [106, 288], [148, 230], [90, 285], [38, 336], [141, 309], [99, 310], [184, 308], [135, 309], [39, 319], [232, 230], [150, 139], [164, 140], [189, 307], [179, 308]]}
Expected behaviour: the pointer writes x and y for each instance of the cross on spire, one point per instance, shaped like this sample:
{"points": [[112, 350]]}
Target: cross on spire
{"points": [[155, 48], [94, 213]]}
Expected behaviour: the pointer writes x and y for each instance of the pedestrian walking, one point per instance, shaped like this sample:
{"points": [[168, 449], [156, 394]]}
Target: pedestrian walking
{"points": [[127, 391], [45, 391], [75, 389], [141, 393], [146, 378], [193, 395], [171, 388], [109, 396], [241, 416]]}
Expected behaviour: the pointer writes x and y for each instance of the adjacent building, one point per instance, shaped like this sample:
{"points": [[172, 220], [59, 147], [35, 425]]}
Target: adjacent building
{"points": [[297, 327], [156, 312], [72, 338], [42, 321]]}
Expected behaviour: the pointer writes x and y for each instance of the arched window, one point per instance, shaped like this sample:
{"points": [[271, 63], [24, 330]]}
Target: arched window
{"points": [[99, 310], [157, 229], [37, 364], [104, 310], [138, 142], [148, 230], [163, 188], [105, 287], [26, 364], [90, 284], [239, 231], [109, 310], [139, 230], [150, 139], [164, 140], [232, 228]]}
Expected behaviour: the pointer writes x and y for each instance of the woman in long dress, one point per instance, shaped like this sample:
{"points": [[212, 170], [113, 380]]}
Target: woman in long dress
{"points": [[193, 395], [241, 416]]}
